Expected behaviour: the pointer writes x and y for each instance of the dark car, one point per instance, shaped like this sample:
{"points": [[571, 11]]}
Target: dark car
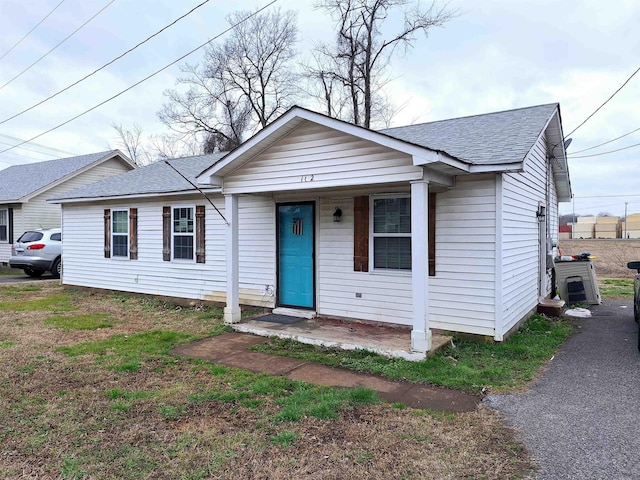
{"points": [[38, 251], [636, 294]]}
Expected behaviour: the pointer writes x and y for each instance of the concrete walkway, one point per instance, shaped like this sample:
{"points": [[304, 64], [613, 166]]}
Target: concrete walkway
{"points": [[232, 349], [582, 419]]}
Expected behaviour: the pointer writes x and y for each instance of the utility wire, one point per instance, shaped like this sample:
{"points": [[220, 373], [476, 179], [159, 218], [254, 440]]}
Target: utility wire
{"points": [[59, 43], [32, 150], [604, 153], [37, 144], [145, 78], [30, 31], [601, 144], [606, 101], [609, 196], [106, 64]]}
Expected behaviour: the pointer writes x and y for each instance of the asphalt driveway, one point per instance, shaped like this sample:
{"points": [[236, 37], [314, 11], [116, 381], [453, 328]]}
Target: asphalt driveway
{"points": [[23, 278], [582, 419]]}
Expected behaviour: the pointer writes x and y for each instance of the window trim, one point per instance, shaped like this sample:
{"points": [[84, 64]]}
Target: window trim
{"points": [[7, 224], [193, 234], [373, 235], [114, 234]]}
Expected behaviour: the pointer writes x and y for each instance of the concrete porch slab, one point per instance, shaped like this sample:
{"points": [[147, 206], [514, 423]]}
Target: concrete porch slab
{"points": [[384, 340]]}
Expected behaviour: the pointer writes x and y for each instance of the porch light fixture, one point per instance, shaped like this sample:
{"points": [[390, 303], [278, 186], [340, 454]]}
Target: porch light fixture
{"points": [[337, 215], [541, 214]]}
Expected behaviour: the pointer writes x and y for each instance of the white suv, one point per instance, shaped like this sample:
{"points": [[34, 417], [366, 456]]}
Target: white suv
{"points": [[38, 251]]}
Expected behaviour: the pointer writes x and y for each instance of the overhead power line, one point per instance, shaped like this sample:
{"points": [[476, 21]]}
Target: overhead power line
{"points": [[605, 153], [106, 64], [606, 101], [145, 78], [32, 150], [36, 144], [603, 143], [58, 44], [30, 31]]}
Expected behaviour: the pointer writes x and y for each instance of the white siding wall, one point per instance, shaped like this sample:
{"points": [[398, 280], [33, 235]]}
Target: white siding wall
{"points": [[85, 265], [521, 247], [462, 293], [38, 213], [257, 262], [313, 156]]}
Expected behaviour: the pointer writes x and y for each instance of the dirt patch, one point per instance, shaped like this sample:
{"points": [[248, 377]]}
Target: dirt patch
{"points": [[65, 416], [611, 256]]}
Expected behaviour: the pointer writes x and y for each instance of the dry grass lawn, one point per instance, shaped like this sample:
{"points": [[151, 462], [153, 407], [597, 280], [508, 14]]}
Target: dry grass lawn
{"points": [[87, 392]]}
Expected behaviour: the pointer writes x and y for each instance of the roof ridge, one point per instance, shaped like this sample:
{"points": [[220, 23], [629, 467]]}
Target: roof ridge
{"points": [[471, 116], [192, 156], [97, 154]]}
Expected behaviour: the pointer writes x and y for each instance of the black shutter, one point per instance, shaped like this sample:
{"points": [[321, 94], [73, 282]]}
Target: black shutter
{"points": [[10, 226]]}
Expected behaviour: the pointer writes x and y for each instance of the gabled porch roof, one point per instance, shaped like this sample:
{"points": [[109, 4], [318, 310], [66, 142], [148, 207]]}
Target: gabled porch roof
{"points": [[296, 116]]}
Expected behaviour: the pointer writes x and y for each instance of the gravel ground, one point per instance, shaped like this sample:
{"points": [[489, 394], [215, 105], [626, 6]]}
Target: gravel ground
{"points": [[582, 419]]}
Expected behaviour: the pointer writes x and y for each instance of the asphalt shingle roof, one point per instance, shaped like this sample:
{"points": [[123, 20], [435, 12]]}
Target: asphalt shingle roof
{"points": [[157, 177], [488, 139], [19, 181]]}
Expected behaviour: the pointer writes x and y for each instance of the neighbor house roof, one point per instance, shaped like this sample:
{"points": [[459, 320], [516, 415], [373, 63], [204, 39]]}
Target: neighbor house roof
{"points": [[22, 181], [153, 179], [487, 139]]}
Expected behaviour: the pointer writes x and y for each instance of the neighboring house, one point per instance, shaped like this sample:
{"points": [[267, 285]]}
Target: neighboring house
{"points": [[26, 188], [446, 225]]}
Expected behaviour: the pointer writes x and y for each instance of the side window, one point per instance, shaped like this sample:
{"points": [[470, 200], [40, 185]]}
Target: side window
{"points": [[120, 233], [56, 237], [183, 233], [391, 233]]}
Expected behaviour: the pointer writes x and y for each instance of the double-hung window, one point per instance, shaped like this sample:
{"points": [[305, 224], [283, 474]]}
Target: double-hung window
{"points": [[391, 232], [183, 233], [120, 233], [4, 225]]}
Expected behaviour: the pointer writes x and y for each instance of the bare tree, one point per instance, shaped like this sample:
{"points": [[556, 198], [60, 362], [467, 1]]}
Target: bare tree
{"points": [[168, 146], [131, 141], [241, 85], [362, 54]]}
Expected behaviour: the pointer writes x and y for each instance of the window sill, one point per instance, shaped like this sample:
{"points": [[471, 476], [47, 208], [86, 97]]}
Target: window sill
{"points": [[397, 273]]}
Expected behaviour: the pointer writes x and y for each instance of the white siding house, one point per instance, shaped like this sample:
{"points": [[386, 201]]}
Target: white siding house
{"points": [[26, 188], [445, 225]]}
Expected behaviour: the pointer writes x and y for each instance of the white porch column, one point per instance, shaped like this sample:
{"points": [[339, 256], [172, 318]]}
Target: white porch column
{"points": [[232, 310], [421, 334]]}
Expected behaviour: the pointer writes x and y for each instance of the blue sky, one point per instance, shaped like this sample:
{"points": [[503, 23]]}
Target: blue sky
{"points": [[496, 55]]}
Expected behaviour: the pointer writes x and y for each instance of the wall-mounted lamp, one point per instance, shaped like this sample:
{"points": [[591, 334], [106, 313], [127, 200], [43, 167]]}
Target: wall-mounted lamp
{"points": [[541, 213], [337, 215]]}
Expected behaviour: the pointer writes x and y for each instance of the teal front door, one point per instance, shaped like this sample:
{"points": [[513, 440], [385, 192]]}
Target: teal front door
{"points": [[295, 255]]}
